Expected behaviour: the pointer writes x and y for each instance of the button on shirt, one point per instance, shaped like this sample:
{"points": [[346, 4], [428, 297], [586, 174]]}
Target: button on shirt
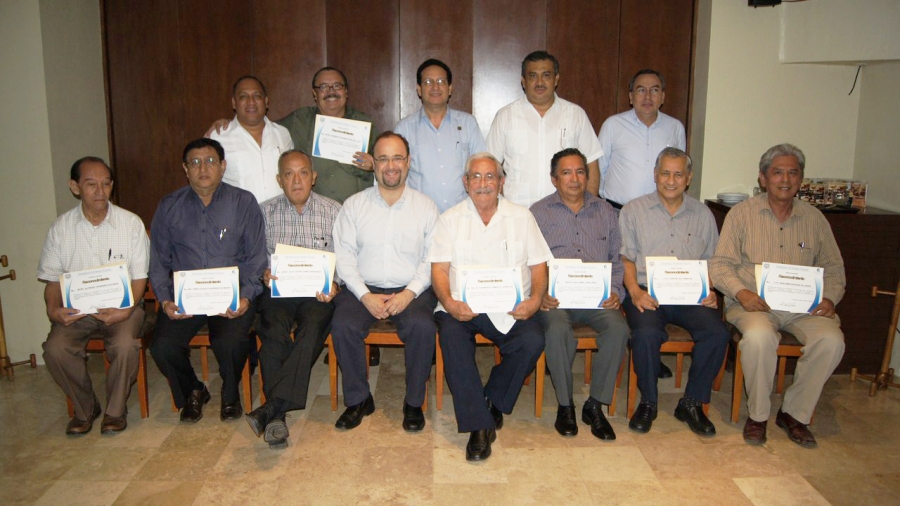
{"points": [[649, 230], [385, 246], [630, 149], [752, 235], [251, 166], [74, 243], [185, 235], [591, 235], [525, 142], [438, 155]]}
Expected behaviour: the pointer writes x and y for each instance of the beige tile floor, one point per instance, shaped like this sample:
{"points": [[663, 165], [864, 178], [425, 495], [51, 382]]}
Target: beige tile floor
{"points": [[159, 461]]}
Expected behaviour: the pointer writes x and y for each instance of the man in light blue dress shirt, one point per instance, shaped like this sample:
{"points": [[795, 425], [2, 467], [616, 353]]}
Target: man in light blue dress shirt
{"points": [[441, 139]]}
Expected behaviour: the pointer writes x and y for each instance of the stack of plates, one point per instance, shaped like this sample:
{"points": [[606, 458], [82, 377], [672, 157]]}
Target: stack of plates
{"points": [[732, 198]]}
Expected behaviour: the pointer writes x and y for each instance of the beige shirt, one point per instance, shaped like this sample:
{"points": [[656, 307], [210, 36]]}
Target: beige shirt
{"points": [[752, 235]]}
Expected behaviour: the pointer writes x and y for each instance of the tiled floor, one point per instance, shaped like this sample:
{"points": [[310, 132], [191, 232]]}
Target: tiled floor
{"points": [[159, 461]]}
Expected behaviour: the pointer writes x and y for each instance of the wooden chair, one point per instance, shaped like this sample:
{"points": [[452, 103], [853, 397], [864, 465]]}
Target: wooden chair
{"points": [[789, 346], [381, 333], [679, 342], [201, 341]]}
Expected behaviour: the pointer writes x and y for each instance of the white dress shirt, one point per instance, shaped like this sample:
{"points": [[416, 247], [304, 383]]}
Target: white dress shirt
{"points": [[250, 166]]}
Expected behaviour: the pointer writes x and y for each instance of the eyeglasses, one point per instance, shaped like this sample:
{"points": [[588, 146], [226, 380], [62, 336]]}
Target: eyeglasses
{"points": [[333, 86], [644, 91], [490, 177], [384, 160], [195, 163], [439, 81]]}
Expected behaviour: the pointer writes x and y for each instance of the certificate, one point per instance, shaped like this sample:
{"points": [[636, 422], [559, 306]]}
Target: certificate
{"points": [[302, 274], [207, 291], [338, 138], [108, 286], [490, 289], [677, 282], [579, 285], [792, 288]]}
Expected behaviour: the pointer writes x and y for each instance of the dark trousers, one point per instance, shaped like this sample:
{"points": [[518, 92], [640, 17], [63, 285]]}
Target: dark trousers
{"points": [[228, 339], [286, 364], [415, 327], [520, 347], [648, 333]]}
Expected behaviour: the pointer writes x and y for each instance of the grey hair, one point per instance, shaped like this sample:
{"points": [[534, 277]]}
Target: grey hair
{"points": [[484, 155], [670, 152], [781, 150], [296, 151]]}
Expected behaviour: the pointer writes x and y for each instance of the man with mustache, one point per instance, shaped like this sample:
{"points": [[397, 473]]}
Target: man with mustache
{"points": [[441, 139], [526, 133], [487, 229], [382, 236]]}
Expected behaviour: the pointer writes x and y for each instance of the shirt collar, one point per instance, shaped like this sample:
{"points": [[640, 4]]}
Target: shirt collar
{"points": [[683, 208], [109, 219], [637, 121]]}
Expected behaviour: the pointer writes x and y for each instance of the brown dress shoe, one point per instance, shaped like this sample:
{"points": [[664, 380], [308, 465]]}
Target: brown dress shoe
{"points": [[798, 432], [79, 427], [755, 432], [114, 424]]}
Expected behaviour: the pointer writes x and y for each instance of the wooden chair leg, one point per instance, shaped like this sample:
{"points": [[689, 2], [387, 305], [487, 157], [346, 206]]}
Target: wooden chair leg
{"points": [[738, 390], [782, 366], [368, 357], [679, 368], [588, 363], [497, 356], [332, 373], [143, 393], [439, 372], [71, 407], [632, 387], [706, 409], [539, 372]]}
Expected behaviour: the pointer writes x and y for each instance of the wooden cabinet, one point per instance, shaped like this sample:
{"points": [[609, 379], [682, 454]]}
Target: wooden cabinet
{"points": [[870, 244]]}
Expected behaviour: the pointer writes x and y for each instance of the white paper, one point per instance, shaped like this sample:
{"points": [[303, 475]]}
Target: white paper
{"points": [[677, 282], [490, 289], [580, 285], [339, 138], [88, 290], [792, 288], [303, 274], [207, 291]]}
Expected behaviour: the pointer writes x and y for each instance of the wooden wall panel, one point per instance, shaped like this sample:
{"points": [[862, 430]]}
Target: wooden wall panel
{"points": [[586, 43], [363, 41], [657, 34], [288, 49], [505, 31], [441, 30]]}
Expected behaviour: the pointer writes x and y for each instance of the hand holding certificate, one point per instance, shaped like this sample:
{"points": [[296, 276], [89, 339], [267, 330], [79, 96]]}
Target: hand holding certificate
{"points": [[87, 291], [578, 285], [301, 272], [792, 288], [677, 282], [490, 289], [339, 138], [207, 292]]}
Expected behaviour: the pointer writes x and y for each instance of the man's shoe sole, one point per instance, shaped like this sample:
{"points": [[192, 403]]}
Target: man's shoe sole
{"points": [[275, 430]]}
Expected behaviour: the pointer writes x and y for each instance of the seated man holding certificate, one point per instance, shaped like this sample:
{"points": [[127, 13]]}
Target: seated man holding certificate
{"points": [[381, 237], [80, 243], [776, 227], [208, 252], [489, 270], [670, 223], [298, 217], [581, 226]]}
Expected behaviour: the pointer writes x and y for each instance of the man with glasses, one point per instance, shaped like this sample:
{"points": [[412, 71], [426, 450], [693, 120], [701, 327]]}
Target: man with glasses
{"points": [[382, 236], [441, 139], [487, 230], [204, 225], [526, 133]]}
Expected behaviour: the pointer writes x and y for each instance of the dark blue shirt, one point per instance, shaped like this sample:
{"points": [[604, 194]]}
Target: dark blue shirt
{"points": [[186, 235]]}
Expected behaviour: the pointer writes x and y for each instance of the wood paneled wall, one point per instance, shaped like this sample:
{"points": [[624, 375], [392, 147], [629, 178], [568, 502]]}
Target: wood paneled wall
{"points": [[171, 63]]}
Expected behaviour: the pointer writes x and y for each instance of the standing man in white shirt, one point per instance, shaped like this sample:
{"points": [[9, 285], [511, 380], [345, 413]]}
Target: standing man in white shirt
{"points": [[631, 140], [252, 143], [441, 139], [528, 132]]}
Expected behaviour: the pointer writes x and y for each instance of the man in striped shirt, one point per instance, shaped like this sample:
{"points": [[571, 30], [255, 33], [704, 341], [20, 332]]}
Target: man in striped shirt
{"points": [[297, 217], [776, 227], [579, 225]]}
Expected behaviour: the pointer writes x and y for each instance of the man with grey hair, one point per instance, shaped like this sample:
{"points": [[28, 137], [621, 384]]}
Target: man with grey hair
{"points": [[488, 230], [670, 223], [776, 227]]}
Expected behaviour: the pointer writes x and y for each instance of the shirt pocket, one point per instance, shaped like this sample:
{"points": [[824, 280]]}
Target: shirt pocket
{"points": [[517, 142], [566, 138]]}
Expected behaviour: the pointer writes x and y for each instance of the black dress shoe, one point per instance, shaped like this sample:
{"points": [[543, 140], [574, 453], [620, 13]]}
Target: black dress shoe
{"points": [[192, 411], [79, 427], [374, 356], [231, 411], [592, 414], [276, 432], [695, 418], [643, 418], [479, 447], [566, 424], [664, 371], [260, 417], [413, 418], [755, 432], [797, 431], [496, 414], [353, 415]]}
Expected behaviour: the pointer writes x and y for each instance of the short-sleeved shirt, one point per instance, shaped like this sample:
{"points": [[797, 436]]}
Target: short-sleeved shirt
{"points": [[251, 166]]}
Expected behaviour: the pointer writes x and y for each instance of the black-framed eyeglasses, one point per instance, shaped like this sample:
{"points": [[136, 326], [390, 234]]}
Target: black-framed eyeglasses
{"points": [[333, 86]]}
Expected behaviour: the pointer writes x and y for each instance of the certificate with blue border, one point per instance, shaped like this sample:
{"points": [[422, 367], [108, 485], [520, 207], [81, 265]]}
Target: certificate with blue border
{"points": [[490, 289], [88, 290], [580, 285], [339, 138], [303, 274], [677, 282], [207, 291], [791, 288]]}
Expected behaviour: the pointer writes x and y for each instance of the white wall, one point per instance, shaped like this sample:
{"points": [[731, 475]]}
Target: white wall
{"points": [[877, 141], [28, 205], [754, 102]]}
